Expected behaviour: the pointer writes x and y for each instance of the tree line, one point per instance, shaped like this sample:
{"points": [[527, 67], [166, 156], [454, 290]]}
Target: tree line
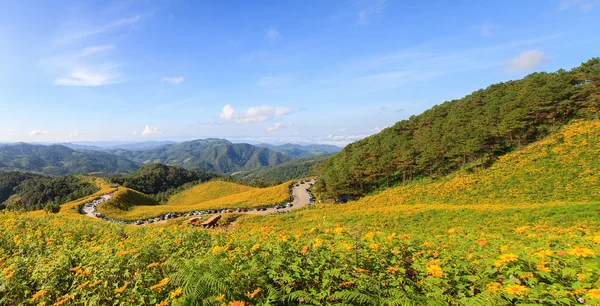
{"points": [[28, 191], [161, 181], [465, 134]]}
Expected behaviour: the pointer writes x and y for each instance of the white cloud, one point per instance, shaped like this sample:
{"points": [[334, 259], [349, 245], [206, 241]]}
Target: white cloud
{"points": [[363, 17], [282, 111], [272, 33], [527, 61], [346, 137], [272, 81], [108, 27], [74, 134], [151, 130], [134, 133], [277, 126], [83, 67], [37, 132], [89, 77], [584, 5], [172, 80], [96, 49], [253, 114]]}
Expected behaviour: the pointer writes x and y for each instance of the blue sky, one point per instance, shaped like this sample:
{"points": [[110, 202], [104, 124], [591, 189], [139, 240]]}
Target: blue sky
{"points": [[266, 71]]}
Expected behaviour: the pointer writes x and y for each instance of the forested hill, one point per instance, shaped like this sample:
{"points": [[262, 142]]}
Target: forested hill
{"points": [[218, 155], [29, 191], [301, 151], [161, 181], [468, 133], [60, 160]]}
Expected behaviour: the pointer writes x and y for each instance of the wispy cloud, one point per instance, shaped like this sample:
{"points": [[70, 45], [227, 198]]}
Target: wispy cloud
{"points": [[96, 49], [84, 67], [486, 29], [37, 132], [100, 29], [89, 77], [74, 134], [272, 33], [363, 17], [277, 126], [172, 80], [527, 61], [253, 114], [584, 5], [419, 64]]}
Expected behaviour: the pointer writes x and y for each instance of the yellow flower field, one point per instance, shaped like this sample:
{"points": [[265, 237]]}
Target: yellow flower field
{"points": [[211, 195]]}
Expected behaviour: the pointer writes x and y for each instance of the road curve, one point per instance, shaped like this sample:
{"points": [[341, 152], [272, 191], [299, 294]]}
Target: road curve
{"points": [[300, 194]]}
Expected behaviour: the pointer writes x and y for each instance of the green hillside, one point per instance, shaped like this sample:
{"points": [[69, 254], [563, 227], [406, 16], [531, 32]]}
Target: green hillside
{"points": [[161, 181], [28, 191], [294, 169], [301, 151], [60, 160], [216, 155], [467, 134]]}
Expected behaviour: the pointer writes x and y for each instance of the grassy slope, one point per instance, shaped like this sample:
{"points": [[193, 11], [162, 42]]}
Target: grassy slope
{"points": [[206, 192], [212, 195], [559, 170]]}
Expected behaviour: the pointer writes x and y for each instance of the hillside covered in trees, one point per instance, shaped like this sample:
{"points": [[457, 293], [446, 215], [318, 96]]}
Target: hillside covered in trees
{"points": [[294, 169], [218, 155], [467, 134], [29, 191], [161, 181], [61, 160], [301, 151]]}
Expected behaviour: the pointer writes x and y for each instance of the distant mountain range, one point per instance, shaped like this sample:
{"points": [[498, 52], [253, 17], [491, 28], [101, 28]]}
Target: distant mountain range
{"points": [[61, 160], [300, 151], [218, 155], [211, 154]]}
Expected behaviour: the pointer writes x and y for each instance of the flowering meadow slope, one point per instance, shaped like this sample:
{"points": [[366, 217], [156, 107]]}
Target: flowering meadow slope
{"points": [[211, 195], [525, 231]]}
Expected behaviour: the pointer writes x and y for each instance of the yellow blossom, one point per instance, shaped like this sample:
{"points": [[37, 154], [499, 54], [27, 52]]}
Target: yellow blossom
{"points": [[508, 258], [594, 294], [582, 252], [38, 295], [516, 290], [176, 293], [435, 271], [494, 287], [120, 290], [253, 293]]}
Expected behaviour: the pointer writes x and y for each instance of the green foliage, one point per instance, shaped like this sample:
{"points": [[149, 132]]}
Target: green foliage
{"points": [[9, 180], [468, 134], [35, 192], [53, 208], [301, 151], [275, 175], [161, 182]]}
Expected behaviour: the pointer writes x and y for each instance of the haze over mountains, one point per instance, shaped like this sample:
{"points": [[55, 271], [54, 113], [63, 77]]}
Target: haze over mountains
{"points": [[218, 155]]}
